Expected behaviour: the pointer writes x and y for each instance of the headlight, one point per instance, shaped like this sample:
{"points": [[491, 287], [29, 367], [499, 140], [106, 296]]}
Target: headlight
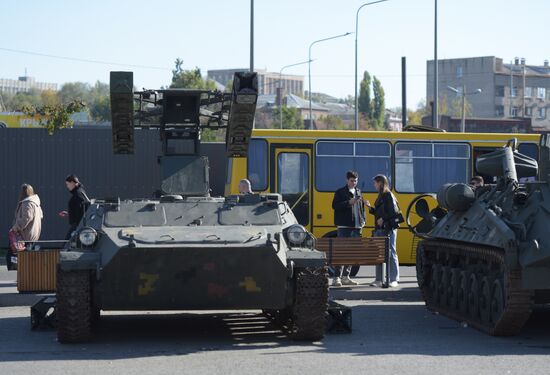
{"points": [[296, 234], [87, 236]]}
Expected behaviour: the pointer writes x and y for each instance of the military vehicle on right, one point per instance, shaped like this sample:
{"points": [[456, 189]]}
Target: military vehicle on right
{"points": [[485, 254]]}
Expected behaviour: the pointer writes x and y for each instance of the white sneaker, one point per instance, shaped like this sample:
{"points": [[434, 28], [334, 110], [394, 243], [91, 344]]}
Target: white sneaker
{"points": [[376, 283], [347, 281], [394, 284], [336, 282]]}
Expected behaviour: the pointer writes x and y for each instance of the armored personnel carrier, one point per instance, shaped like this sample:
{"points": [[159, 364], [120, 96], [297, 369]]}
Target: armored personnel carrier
{"points": [[186, 250], [487, 260]]}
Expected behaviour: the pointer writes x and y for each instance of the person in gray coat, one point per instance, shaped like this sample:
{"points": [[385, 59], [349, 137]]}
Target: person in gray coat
{"points": [[28, 215]]}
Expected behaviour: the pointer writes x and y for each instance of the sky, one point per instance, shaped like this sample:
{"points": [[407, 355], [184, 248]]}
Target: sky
{"points": [[214, 34]]}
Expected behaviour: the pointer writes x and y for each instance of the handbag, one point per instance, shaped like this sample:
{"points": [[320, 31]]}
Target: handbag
{"points": [[398, 218], [16, 241]]}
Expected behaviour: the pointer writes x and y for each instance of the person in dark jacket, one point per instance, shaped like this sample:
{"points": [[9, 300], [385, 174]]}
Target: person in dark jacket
{"points": [[349, 218], [77, 204], [385, 213]]}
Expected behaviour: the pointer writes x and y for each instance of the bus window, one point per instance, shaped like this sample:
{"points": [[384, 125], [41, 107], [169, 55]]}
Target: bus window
{"points": [[293, 183], [257, 164], [531, 150], [333, 159], [424, 167]]}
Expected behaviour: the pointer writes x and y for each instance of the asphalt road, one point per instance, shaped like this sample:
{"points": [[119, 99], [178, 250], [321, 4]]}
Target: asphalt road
{"points": [[392, 334]]}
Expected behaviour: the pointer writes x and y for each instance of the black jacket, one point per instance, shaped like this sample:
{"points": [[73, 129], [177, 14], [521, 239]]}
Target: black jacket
{"points": [[77, 205], [343, 213], [385, 209]]}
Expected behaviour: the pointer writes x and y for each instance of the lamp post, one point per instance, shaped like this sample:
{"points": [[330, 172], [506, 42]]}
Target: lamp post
{"points": [[435, 110], [309, 68], [280, 86], [356, 36], [463, 94]]}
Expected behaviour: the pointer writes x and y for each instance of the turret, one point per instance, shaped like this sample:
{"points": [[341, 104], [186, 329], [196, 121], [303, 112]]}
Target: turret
{"points": [[181, 115]]}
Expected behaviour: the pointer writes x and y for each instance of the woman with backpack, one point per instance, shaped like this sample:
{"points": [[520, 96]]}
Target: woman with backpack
{"points": [[387, 217]]}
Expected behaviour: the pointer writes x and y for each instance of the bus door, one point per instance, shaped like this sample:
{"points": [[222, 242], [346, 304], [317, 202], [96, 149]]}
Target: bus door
{"points": [[291, 177]]}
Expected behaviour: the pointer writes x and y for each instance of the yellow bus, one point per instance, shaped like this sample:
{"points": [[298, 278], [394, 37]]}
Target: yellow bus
{"points": [[306, 167], [18, 120]]}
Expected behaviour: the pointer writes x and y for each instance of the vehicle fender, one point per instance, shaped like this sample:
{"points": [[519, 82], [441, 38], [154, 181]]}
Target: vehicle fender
{"points": [[306, 258], [78, 260]]}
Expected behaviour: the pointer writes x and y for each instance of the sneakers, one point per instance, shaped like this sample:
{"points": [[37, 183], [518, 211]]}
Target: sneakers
{"points": [[376, 283], [336, 281], [347, 281], [394, 284]]}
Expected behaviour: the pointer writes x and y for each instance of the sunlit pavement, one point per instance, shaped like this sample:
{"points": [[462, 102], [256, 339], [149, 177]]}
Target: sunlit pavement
{"points": [[392, 331]]}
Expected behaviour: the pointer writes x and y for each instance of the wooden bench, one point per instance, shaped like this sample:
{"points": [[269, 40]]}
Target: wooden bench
{"points": [[36, 271], [356, 251]]}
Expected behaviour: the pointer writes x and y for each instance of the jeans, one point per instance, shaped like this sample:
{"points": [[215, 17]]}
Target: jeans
{"points": [[344, 271], [394, 262]]}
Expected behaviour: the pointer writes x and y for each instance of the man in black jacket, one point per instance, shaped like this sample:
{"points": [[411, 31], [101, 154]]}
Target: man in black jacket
{"points": [[349, 218]]}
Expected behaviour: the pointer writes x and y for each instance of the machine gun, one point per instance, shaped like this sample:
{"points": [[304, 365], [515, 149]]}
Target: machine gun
{"points": [[181, 115]]}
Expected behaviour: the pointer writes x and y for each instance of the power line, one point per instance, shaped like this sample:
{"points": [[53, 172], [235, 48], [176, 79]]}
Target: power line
{"points": [[81, 60]]}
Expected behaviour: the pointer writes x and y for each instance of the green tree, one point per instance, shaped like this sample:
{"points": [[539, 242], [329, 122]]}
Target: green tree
{"points": [[54, 117], [332, 122], [292, 118], [23, 99], [456, 107], [99, 102], [378, 103], [72, 91], [189, 79], [49, 97], [365, 105]]}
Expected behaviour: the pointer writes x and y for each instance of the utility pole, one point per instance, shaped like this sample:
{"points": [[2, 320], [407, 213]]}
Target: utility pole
{"points": [[523, 96], [251, 35], [356, 36], [435, 111]]}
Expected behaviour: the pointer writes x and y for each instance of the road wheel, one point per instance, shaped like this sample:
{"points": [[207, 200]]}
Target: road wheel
{"points": [[463, 291], [485, 300], [444, 285], [420, 265], [435, 283], [74, 306], [497, 302], [473, 297], [453, 288], [309, 312]]}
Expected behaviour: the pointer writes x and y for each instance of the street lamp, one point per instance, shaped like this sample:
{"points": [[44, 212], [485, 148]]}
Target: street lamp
{"points": [[463, 94], [280, 86], [356, 36], [309, 68]]}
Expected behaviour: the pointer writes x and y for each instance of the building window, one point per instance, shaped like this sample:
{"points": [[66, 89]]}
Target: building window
{"points": [[499, 110], [459, 72], [541, 92], [425, 167], [528, 92], [514, 92], [514, 111], [499, 91], [528, 111], [542, 113], [333, 159]]}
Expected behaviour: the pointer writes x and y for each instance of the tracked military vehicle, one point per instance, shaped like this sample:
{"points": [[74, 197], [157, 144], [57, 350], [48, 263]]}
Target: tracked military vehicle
{"points": [[186, 250], [486, 261]]}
